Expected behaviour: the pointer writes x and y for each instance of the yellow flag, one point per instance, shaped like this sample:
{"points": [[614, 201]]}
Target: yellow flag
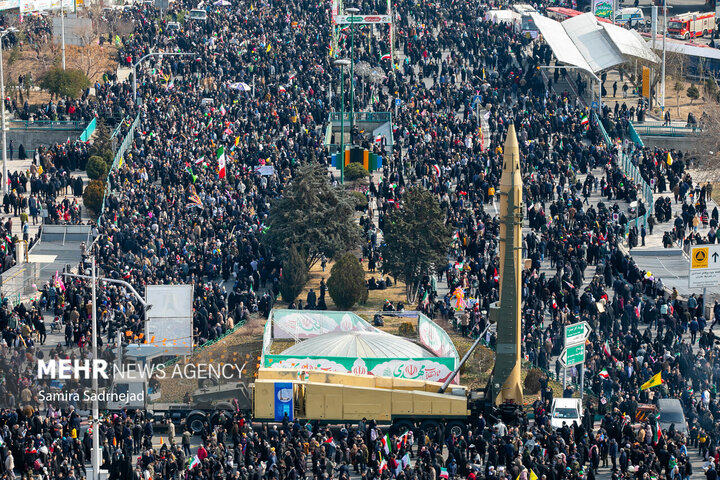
{"points": [[533, 476], [269, 47], [653, 382], [669, 159]]}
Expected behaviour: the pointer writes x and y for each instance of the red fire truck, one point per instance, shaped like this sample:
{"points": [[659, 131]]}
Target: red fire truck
{"points": [[690, 25]]}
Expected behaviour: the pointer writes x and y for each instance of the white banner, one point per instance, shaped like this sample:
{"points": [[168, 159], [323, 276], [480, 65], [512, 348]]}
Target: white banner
{"points": [[170, 320]]}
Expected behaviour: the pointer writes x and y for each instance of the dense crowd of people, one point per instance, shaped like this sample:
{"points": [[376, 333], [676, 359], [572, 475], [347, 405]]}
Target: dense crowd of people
{"points": [[177, 212]]}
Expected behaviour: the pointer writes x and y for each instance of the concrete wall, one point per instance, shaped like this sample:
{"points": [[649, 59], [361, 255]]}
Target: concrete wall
{"points": [[32, 138], [686, 144]]}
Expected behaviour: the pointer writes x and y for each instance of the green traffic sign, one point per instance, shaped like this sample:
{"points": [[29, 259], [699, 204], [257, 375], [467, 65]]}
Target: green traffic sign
{"points": [[576, 333], [575, 355]]}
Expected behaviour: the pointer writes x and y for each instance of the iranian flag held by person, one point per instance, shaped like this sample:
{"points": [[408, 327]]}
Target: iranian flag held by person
{"points": [[221, 159]]}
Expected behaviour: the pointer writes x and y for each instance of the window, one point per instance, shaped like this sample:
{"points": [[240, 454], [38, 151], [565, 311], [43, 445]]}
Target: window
{"points": [[565, 413]]}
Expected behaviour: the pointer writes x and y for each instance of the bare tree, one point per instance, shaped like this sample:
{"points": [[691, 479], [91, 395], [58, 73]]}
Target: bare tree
{"points": [[708, 142], [85, 34], [91, 58]]}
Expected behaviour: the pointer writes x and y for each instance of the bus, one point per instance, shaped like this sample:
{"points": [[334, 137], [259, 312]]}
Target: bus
{"points": [[527, 24]]}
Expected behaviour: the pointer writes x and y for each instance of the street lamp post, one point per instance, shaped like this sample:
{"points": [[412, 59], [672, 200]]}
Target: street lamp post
{"points": [[62, 28], [342, 63], [134, 67], [352, 12], [95, 455], [2, 111], [662, 87]]}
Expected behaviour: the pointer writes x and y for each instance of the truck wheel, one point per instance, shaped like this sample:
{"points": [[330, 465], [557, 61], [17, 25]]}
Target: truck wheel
{"points": [[227, 406], [214, 418], [456, 427], [687, 36], [431, 428], [400, 427], [195, 421]]}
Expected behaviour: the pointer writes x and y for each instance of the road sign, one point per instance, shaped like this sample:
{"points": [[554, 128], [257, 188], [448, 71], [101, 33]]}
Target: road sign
{"points": [[363, 19], [576, 333], [704, 266], [398, 102], [572, 355]]}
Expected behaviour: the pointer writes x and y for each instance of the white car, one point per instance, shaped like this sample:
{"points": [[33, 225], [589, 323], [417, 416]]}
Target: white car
{"points": [[566, 410]]}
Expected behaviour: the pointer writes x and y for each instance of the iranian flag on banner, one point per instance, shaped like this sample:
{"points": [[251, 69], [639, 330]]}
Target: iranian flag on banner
{"points": [[222, 171], [657, 434], [386, 443]]}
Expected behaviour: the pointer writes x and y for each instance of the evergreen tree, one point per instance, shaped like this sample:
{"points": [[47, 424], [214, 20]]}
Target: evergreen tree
{"points": [[294, 275], [313, 216], [346, 284], [417, 240]]}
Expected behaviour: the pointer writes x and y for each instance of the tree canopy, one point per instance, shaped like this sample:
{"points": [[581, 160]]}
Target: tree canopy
{"points": [[295, 276], [416, 239], [346, 284], [313, 216], [64, 83]]}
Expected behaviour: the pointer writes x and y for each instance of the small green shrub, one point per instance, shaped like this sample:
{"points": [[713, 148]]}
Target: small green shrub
{"points": [[93, 196], [406, 329], [532, 381], [96, 167], [355, 170]]}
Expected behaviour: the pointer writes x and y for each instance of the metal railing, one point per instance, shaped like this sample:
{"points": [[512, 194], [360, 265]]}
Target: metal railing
{"points": [[122, 148], [89, 130], [660, 129], [362, 116], [116, 132], [633, 173], [49, 124], [606, 137], [634, 136]]}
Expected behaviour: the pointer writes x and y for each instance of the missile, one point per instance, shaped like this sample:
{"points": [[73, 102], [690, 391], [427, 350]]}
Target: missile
{"points": [[506, 381]]}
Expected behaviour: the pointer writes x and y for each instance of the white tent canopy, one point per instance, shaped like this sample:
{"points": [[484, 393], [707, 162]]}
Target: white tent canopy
{"points": [[593, 46]]}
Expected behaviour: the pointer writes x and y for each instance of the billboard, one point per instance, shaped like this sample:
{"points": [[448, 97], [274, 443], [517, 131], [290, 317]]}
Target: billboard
{"points": [[296, 324], [27, 6], [170, 320], [9, 4], [283, 401], [603, 8], [432, 369]]}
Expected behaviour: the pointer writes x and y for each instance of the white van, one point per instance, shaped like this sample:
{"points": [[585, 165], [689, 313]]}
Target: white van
{"points": [[566, 410], [198, 14], [631, 15]]}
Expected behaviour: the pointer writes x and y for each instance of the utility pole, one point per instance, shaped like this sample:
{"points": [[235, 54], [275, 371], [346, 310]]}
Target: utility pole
{"points": [[352, 12], [342, 63], [2, 112], [662, 87], [62, 28], [95, 409]]}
